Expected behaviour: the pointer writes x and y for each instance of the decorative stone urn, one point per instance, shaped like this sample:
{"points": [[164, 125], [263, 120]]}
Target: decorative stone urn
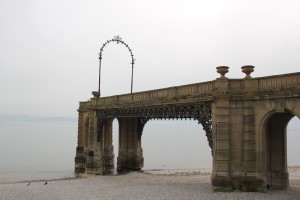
{"points": [[96, 94], [247, 69], [222, 70]]}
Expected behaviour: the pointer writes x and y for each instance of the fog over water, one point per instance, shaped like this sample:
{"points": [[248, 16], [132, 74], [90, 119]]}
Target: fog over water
{"points": [[45, 149]]}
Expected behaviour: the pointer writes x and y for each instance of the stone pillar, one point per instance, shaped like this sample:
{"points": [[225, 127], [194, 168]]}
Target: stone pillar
{"points": [[108, 152], [80, 160], [234, 139], [250, 179], [234, 166], [80, 157], [221, 179], [90, 167], [130, 151], [98, 149]]}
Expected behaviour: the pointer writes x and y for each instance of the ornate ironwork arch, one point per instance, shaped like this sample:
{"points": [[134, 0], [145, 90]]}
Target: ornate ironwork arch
{"points": [[202, 113], [118, 40]]}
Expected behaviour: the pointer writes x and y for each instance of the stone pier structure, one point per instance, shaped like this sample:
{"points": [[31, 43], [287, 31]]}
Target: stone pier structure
{"points": [[244, 119]]}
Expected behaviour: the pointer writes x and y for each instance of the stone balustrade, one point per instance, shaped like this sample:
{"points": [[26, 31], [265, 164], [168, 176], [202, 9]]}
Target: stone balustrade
{"points": [[211, 88]]}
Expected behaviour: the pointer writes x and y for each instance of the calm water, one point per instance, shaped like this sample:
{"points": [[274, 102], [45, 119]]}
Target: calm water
{"points": [[37, 150]]}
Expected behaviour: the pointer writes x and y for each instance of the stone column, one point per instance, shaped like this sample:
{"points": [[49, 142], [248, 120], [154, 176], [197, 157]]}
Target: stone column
{"points": [[130, 151], [250, 178], [98, 149], [221, 179], [80, 157], [80, 160], [234, 160], [90, 168], [108, 151]]}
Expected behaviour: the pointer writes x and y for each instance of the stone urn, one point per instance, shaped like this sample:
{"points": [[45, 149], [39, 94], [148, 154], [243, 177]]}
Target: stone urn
{"points": [[222, 70], [248, 69], [96, 93]]}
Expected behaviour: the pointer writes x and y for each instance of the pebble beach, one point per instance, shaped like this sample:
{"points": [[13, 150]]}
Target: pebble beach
{"points": [[145, 185]]}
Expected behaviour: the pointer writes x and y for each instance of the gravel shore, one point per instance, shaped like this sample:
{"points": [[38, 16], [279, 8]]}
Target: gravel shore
{"points": [[152, 185]]}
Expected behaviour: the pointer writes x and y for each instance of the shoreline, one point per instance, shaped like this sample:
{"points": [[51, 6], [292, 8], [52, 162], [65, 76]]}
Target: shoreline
{"points": [[294, 173], [163, 172], [136, 185], [40, 180]]}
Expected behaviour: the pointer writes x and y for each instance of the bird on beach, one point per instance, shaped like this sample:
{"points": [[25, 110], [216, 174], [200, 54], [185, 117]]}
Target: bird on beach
{"points": [[46, 183], [28, 184]]}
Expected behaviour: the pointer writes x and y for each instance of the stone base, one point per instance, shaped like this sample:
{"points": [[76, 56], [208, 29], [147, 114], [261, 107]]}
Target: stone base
{"points": [[242, 183], [221, 184], [80, 160], [79, 170], [99, 171], [80, 164], [109, 160], [278, 180], [98, 165], [130, 162]]}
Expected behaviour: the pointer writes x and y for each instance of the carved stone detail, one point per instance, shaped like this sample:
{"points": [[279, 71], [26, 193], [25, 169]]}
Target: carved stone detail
{"points": [[269, 105], [280, 106]]}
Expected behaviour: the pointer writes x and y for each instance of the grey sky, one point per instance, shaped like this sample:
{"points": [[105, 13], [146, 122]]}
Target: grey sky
{"points": [[49, 49]]}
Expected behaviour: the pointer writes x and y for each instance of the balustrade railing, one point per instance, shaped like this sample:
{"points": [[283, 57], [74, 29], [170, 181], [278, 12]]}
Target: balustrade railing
{"points": [[280, 81], [263, 83], [172, 92]]}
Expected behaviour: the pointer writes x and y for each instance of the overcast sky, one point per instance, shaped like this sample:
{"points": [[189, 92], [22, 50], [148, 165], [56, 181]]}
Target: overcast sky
{"points": [[49, 49]]}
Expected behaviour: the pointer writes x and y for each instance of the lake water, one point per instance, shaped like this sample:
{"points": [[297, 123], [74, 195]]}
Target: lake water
{"points": [[38, 150]]}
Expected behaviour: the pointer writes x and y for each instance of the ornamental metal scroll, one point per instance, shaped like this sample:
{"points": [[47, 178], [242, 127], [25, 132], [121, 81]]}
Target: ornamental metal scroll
{"points": [[202, 113], [118, 40]]}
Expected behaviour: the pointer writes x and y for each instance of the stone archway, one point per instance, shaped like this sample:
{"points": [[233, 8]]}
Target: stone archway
{"points": [[275, 148]]}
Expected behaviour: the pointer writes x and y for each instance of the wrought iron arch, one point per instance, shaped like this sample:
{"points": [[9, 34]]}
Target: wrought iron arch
{"points": [[118, 40], [199, 112]]}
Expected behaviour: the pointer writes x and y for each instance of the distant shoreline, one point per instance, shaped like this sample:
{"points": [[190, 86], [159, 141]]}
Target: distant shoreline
{"points": [[29, 118]]}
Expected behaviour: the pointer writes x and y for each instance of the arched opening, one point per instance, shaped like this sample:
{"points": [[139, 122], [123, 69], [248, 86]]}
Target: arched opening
{"points": [[293, 138], [175, 144], [275, 129], [115, 142], [111, 145]]}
